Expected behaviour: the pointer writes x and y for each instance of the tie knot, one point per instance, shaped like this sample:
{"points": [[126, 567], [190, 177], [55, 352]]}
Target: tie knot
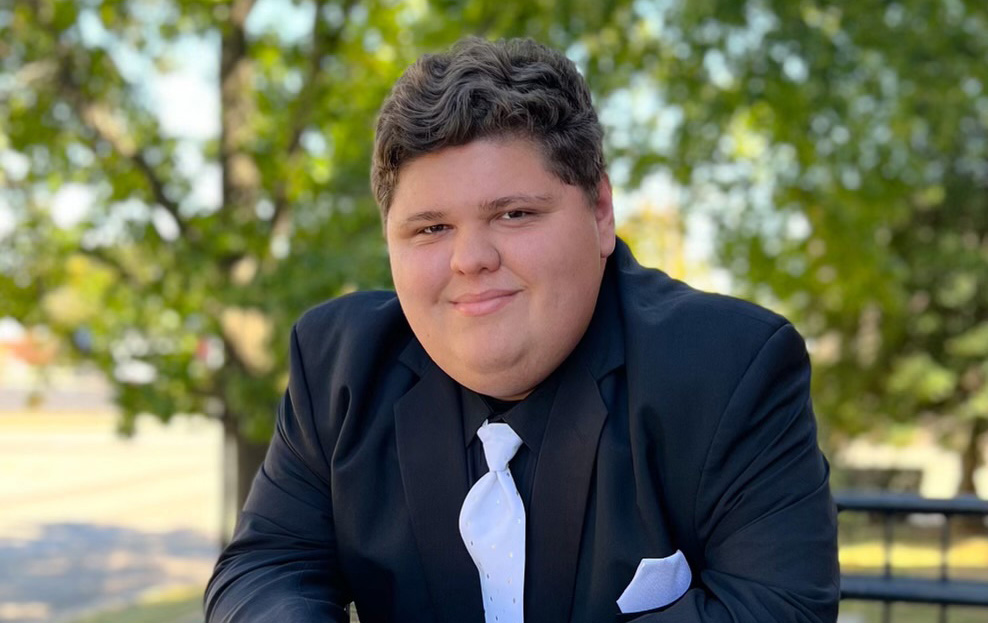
{"points": [[500, 444]]}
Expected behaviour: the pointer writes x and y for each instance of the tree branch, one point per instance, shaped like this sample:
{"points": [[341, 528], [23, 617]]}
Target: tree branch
{"points": [[324, 40], [105, 126], [100, 255]]}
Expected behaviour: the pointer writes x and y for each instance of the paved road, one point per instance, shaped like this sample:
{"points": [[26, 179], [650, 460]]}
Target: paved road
{"points": [[88, 519]]}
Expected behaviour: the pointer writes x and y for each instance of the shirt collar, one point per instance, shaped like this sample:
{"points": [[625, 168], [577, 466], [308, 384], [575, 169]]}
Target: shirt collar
{"points": [[527, 417]]}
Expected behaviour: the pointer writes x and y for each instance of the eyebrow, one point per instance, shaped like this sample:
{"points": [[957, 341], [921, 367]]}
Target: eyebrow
{"points": [[424, 216], [493, 205], [502, 202]]}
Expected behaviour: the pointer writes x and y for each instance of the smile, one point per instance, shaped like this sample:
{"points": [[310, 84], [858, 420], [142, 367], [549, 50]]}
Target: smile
{"points": [[483, 303]]}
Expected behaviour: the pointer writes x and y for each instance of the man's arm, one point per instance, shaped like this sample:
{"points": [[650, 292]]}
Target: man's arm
{"points": [[281, 564], [763, 508]]}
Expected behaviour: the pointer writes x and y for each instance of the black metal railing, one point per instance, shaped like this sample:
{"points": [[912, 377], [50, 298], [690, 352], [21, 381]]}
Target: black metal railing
{"points": [[889, 587]]}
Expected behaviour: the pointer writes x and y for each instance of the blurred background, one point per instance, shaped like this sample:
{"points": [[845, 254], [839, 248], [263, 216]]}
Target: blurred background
{"points": [[179, 180]]}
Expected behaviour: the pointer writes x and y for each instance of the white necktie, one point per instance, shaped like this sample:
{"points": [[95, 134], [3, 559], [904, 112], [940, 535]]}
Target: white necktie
{"points": [[492, 524]]}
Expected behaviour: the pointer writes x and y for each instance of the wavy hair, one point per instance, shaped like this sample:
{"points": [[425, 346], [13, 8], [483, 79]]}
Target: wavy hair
{"points": [[488, 90]]}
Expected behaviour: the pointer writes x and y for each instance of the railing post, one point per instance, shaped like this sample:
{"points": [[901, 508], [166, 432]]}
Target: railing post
{"points": [[944, 560], [887, 548]]}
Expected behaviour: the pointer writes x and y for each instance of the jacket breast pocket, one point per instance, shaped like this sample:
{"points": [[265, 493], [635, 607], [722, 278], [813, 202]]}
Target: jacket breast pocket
{"points": [[657, 583]]}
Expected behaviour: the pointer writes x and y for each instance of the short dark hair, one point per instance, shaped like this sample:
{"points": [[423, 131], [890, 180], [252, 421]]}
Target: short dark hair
{"points": [[490, 89]]}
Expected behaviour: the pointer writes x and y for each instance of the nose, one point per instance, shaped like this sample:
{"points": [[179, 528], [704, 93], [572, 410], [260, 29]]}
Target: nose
{"points": [[474, 252]]}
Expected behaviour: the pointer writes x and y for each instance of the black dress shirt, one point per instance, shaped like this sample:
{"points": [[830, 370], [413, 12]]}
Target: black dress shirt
{"points": [[526, 417]]}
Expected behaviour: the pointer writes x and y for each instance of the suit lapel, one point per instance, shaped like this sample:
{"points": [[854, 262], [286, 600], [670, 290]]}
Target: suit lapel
{"points": [[559, 498], [432, 458]]}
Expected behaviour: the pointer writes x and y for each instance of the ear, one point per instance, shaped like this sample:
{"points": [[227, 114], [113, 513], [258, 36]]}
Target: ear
{"points": [[604, 215]]}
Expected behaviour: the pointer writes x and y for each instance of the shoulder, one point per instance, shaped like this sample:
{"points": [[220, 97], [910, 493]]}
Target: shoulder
{"points": [[352, 327], [656, 306], [696, 346], [353, 312]]}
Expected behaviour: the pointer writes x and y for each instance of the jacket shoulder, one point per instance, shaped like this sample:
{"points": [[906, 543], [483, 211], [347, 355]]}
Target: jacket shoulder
{"points": [[695, 343], [354, 310], [652, 300], [351, 326]]}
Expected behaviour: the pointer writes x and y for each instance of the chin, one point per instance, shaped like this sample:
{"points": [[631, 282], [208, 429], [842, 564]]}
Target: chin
{"points": [[492, 376], [504, 391]]}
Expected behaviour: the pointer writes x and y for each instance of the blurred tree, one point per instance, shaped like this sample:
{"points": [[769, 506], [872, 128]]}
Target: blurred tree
{"points": [[175, 253], [657, 233], [842, 148]]}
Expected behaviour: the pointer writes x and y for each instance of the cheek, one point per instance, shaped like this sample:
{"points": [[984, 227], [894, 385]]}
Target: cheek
{"points": [[574, 281], [417, 276], [570, 259]]}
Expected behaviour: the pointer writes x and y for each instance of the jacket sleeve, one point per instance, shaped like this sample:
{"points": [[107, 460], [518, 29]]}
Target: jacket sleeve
{"points": [[763, 512], [281, 564]]}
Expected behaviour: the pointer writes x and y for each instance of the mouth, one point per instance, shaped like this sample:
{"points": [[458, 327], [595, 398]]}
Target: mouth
{"points": [[483, 303]]}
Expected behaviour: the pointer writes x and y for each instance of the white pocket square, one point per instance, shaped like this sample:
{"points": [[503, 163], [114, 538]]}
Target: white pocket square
{"points": [[658, 582]]}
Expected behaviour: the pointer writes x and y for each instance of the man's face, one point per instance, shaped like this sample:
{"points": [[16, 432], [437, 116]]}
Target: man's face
{"points": [[497, 263]]}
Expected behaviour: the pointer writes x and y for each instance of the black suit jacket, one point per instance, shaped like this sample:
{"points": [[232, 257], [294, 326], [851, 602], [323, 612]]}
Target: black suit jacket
{"points": [[696, 433]]}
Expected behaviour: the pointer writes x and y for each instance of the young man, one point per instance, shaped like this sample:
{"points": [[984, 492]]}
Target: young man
{"points": [[533, 427]]}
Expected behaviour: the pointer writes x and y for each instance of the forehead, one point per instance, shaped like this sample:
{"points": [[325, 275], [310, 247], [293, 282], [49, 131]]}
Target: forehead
{"points": [[483, 173]]}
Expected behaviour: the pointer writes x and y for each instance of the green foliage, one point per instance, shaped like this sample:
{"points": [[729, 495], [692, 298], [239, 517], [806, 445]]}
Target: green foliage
{"points": [[176, 606], [842, 150], [142, 283], [840, 147], [183, 297]]}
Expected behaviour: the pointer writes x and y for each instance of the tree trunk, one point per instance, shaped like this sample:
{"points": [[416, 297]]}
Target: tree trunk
{"points": [[241, 460], [971, 458], [240, 180]]}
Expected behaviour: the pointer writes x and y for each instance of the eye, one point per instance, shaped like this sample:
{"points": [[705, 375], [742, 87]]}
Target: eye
{"points": [[513, 215], [434, 229]]}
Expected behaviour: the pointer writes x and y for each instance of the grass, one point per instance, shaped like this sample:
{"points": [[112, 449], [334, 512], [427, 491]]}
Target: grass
{"points": [[188, 609], [915, 553], [177, 606], [870, 612]]}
